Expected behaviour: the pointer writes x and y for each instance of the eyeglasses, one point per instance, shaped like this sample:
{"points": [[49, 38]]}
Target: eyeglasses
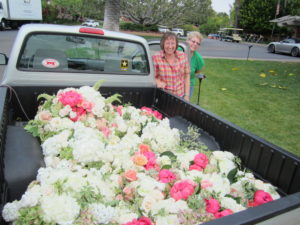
{"points": [[195, 42]]}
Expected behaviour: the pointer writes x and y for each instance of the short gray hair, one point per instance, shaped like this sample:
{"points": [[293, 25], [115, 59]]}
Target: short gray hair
{"points": [[195, 34]]}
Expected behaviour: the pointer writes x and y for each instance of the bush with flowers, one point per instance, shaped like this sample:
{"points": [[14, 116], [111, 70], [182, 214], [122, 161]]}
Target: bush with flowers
{"points": [[109, 164]]}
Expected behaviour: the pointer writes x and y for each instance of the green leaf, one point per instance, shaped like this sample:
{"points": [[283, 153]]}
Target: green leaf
{"points": [[45, 96], [166, 167], [231, 175], [113, 98], [98, 84], [171, 155]]}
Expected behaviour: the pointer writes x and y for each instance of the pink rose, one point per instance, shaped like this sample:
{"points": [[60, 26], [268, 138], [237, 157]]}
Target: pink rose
{"points": [[71, 98], [195, 167], [225, 212], [212, 205], [119, 109], [150, 111], [87, 105], [106, 131], [260, 197], [166, 176], [157, 114], [182, 190], [201, 160], [206, 184], [130, 175]]}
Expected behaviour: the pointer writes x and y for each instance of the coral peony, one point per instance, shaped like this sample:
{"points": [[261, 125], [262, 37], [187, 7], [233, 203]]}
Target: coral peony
{"points": [[130, 175], [260, 197]]}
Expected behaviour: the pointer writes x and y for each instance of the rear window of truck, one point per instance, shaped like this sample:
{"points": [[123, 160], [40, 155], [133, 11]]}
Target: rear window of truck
{"points": [[86, 54]]}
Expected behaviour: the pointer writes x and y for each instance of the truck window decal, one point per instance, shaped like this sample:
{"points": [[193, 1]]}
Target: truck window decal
{"points": [[50, 63], [124, 64]]}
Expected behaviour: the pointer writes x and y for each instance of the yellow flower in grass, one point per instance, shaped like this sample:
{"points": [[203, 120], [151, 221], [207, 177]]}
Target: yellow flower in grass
{"points": [[291, 74], [272, 72], [263, 75], [223, 89], [235, 69]]}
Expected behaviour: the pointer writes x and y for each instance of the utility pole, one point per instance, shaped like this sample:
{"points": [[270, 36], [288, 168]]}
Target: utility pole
{"points": [[237, 5], [276, 14]]}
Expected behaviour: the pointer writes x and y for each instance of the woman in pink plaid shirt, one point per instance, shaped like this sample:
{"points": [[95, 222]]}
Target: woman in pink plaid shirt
{"points": [[172, 70]]}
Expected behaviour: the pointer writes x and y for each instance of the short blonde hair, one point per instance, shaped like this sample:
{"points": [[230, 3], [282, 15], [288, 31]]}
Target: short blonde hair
{"points": [[195, 34]]}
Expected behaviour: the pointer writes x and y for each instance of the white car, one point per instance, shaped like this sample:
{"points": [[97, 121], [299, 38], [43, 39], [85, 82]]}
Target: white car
{"points": [[178, 31], [163, 29], [290, 46], [90, 23]]}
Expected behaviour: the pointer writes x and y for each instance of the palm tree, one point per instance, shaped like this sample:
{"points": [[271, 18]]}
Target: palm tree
{"points": [[112, 15]]}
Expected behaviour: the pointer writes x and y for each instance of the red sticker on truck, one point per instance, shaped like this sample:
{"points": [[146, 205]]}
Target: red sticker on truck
{"points": [[50, 63]]}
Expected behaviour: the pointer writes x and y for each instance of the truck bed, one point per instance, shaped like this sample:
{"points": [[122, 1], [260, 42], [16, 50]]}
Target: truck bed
{"points": [[267, 161]]}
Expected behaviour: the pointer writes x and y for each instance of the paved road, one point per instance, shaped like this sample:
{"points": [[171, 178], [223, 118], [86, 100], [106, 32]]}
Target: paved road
{"points": [[220, 49], [209, 49]]}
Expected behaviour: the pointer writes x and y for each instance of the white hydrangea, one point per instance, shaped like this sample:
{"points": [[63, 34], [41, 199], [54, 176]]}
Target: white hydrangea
{"points": [[162, 136], [10, 211], [31, 197], [167, 220], [101, 213], [224, 161], [61, 209], [87, 145], [53, 145], [124, 214], [57, 124], [65, 111], [229, 203]]}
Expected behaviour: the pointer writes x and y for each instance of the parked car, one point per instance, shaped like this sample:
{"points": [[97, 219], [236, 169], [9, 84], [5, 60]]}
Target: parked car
{"points": [[90, 23], [213, 36], [163, 29], [178, 31], [290, 46]]}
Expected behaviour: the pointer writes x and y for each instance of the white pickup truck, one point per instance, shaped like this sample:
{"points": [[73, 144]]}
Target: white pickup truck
{"points": [[46, 58]]}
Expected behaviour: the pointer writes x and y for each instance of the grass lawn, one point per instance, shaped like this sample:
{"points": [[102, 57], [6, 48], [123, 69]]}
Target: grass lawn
{"points": [[260, 96]]}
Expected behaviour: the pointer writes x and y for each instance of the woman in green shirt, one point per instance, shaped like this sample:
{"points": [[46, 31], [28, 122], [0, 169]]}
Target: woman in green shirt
{"points": [[194, 40]]}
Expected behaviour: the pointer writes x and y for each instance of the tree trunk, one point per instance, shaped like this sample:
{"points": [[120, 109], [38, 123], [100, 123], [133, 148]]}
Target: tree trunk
{"points": [[112, 15]]}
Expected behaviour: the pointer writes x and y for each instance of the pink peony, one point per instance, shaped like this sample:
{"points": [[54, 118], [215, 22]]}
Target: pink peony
{"points": [[79, 113], [151, 163], [201, 160], [71, 98], [182, 190], [141, 221], [225, 212], [195, 167], [119, 109], [260, 197], [212, 205], [150, 111], [166, 176]]}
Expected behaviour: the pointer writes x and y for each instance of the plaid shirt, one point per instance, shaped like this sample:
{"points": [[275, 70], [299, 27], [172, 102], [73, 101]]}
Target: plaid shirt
{"points": [[172, 74]]}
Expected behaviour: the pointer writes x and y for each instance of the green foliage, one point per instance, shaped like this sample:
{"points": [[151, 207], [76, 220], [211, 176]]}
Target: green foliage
{"points": [[214, 23], [255, 15], [137, 27], [66, 153], [31, 215], [87, 196]]}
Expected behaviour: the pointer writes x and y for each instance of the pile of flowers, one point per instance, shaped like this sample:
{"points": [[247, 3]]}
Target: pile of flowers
{"points": [[117, 164]]}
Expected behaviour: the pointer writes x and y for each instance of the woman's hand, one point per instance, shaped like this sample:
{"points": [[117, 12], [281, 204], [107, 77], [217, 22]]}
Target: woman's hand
{"points": [[187, 98], [160, 84]]}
